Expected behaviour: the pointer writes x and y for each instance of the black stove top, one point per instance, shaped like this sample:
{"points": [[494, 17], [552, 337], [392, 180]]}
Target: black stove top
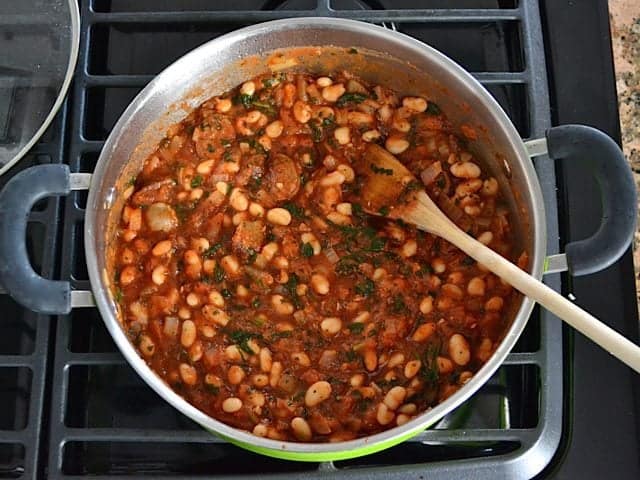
{"points": [[69, 403]]}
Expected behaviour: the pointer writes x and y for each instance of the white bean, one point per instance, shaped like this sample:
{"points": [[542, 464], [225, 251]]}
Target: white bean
{"points": [[331, 325], [188, 335], [317, 393], [333, 92], [301, 429], [396, 145], [465, 170], [279, 216], [320, 284], [459, 349], [412, 368], [232, 404], [394, 397], [342, 135]]}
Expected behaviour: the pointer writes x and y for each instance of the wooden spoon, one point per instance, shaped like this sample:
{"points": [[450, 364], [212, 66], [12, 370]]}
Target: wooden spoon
{"points": [[389, 189]]}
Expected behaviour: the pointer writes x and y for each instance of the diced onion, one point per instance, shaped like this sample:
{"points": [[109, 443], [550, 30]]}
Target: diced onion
{"points": [[331, 255], [430, 173]]}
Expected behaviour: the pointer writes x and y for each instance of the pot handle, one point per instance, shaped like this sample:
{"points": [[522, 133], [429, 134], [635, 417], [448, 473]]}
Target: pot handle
{"points": [[16, 274], [607, 163]]}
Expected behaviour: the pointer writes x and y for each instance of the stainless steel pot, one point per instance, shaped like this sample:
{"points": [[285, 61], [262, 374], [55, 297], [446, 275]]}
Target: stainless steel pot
{"points": [[375, 54]]}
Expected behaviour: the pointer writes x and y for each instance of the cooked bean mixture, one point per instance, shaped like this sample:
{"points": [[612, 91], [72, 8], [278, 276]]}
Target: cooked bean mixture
{"points": [[253, 283]]}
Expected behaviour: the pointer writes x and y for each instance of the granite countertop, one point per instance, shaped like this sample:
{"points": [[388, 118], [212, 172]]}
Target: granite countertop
{"points": [[625, 39]]}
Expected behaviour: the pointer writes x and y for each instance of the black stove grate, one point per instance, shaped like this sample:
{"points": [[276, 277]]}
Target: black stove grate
{"points": [[25, 335], [104, 421]]}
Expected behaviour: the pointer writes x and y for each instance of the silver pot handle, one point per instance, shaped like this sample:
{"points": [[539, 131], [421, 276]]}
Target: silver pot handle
{"points": [[16, 274], [617, 190]]}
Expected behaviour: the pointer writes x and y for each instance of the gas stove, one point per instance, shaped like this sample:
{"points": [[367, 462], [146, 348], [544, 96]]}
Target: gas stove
{"points": [[559, 407]]}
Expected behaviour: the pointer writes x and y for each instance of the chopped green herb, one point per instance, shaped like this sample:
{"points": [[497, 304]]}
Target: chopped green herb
{"points": [[264, 107], [118, 296], [346, 268], [356, 327], [283, 334], [467, 261], [306, 250], [352, 51], [131, 182], [182, 211], [212, 389], [429, 370], [210, 148], [295, 210], [218, 273], [241, 337], [433, 109], [329, 121], [357, 210], [196, 181], [351, 355], [210, 252], [225, 142], [227, 156], [350, 97], [398, 305], [269, 82], [291, 287], [441, 182], [384, 210], [377, 244], [365, 288], [226, 293], [316, 132], [380, 170], [425, 269], [244, 99], [256, 303]]}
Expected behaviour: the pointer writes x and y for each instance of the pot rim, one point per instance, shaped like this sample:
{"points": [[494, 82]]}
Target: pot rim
{"points": [[392, 436]]}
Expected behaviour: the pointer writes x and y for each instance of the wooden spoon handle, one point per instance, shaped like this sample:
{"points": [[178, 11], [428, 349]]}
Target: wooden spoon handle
{"points": [[606, 337]]}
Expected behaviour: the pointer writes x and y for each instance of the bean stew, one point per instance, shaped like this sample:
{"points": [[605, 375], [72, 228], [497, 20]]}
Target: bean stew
{"points": [[252, 282]]}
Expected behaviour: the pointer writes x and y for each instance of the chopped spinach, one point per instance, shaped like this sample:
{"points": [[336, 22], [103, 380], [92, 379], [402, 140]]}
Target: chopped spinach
{"points": [[356, 327], [212, 389], [196, 181], [244, 99], [350, 97], [118, 296], [210, 252], [377, 244], [380, 170], [291, 287], [398, 305], [264, 107], [433, 109], [316, 132], [295, 210], [365, 289], [218, 273], [306, 250], [384, 210], [241, 337]]}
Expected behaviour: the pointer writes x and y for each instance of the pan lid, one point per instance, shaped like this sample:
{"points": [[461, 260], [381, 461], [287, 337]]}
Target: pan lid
{"points": [[39, 43]]}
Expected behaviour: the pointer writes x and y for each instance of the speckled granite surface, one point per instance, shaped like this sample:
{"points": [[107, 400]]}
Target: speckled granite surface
{"points": [[625, 33]]}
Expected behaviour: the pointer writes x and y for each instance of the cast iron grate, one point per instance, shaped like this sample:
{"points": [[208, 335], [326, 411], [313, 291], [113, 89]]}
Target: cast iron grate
{"points": [[25, 335], [106, 422]]}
